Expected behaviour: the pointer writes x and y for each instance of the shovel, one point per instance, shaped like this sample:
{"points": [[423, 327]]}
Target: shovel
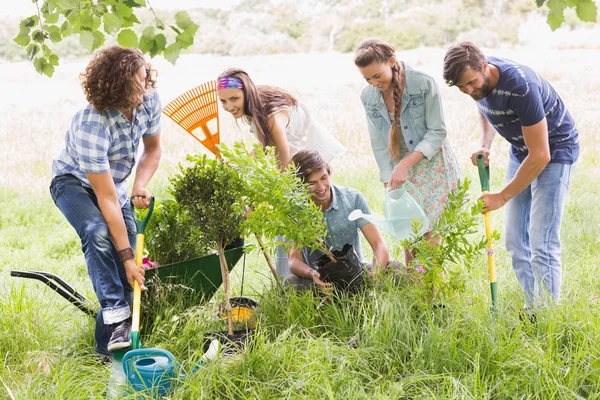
{"points": [[484, 178]]}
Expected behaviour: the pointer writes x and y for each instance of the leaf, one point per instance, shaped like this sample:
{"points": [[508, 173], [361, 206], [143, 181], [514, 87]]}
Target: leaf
{"points": [[48, 69], [182, 19], [86, 40], [54, 32], [127, 38], [65, 29], [112, 23], [37, 36], [160, 41], [185, 40], [22, 40], [142, 3], [65, 4], [39, 63], [32, 50], [172, 53], [122, 10], [53, 60], [51, 18], [30, 22], [98, 39], [555, 20], [587, 11]]}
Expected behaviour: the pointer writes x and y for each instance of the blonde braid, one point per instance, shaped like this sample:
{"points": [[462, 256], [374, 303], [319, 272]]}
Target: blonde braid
{"points": [[394, 135]]}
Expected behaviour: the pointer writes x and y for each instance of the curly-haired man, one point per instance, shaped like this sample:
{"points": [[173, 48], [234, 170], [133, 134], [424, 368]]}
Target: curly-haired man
{"points": [[89, 180]]}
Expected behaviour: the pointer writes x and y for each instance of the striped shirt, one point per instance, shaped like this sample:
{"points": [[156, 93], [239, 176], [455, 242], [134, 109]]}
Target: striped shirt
{"points": [[106, 141], [523, 98]]}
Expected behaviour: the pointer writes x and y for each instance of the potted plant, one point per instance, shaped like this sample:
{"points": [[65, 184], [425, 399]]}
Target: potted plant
{"points": [[209, 191], [281, 205]]}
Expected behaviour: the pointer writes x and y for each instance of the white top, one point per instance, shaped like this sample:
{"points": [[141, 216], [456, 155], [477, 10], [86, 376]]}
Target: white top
{"points": [[304, 133]]}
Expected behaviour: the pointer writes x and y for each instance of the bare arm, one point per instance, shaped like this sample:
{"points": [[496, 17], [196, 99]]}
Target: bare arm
{"points": [[380, 250], [488, 133], [299, 268], [536, 140], [146, 168], [277, 123], [106, 193]]}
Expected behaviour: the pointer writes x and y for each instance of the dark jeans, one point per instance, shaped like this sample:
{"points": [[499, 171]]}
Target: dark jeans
{"points": [[107, 273]]}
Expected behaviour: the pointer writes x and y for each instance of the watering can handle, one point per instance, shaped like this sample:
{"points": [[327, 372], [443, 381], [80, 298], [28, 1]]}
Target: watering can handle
{"points": [[484, 173], [418, 196], [140, 225]]}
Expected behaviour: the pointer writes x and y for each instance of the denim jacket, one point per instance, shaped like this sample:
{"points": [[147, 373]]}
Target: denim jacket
{"points": [[421, 119]]}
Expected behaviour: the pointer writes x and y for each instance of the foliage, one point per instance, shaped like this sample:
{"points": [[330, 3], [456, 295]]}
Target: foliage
{"points": [[92, 21], [586, 10], [443, 265], [209, 191], [173, 236], [281, 202]]}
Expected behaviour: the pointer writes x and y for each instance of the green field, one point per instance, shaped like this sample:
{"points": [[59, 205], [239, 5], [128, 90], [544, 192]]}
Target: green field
{"points": [[385, 344]]}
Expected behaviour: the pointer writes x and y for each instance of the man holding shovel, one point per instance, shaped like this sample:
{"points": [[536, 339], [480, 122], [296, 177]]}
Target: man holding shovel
{"points": [[337, 203], [523, 108], [89, 180]]}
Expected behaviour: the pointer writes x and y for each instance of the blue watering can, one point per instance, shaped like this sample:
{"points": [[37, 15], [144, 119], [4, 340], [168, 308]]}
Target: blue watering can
{"points": [[156, 370]]}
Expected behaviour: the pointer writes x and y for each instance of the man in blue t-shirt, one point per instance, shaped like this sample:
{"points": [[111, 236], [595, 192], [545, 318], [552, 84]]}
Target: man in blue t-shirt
{"points": [[523, 108], [336, 202]]}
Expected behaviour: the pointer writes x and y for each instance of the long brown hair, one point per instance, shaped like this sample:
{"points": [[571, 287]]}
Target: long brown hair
{"points": [[376, 50], [108, 78], [260, 102]]}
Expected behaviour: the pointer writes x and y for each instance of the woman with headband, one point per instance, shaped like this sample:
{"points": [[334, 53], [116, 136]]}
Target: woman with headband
{"points": [[275, 117]]}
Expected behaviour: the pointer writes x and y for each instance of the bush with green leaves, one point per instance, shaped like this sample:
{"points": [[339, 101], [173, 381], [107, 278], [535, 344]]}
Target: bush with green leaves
{"points": [[209, 191], [173, 236], [443, 265], [281, 203]]}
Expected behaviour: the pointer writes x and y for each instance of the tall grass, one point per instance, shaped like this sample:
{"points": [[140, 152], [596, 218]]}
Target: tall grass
{"points": [[381, 344]]}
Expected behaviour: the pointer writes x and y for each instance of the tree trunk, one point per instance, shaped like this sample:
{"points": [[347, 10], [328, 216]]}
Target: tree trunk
{"points": [[269, 261], [226, 288]]}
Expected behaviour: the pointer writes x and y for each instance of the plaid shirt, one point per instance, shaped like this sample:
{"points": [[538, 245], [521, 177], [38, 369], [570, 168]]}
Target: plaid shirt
{"points": [[103, 141]]}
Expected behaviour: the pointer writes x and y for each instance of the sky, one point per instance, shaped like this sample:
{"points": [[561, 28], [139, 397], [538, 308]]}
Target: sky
{"points": [[24, 8]]}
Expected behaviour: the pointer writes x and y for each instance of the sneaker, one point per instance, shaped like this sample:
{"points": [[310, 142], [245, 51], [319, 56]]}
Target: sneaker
{"points": [[121, 336], [105, 359]]}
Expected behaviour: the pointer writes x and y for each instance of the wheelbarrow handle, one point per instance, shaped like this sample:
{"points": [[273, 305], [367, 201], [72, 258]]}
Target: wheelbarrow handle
{"points": [[140, 225], [484, 173]]}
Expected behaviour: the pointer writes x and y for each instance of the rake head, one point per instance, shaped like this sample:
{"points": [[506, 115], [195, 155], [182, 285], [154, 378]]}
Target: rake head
{"points": [[196, 111]]}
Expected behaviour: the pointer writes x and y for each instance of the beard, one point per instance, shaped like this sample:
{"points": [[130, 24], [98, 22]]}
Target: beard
{"points": [[483, 91]]}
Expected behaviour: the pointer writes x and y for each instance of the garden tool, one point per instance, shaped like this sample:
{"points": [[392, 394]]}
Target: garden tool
{"points": [[484, 177], [400, 210], [196, 111]]}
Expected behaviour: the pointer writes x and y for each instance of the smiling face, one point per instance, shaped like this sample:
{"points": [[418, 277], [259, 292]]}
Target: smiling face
{"points": [[378, 74], [319, 187], [232, 101], [475, 83]]}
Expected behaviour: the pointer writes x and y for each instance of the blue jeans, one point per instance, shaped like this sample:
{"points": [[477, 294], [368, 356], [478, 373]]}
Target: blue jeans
{"points": [[107, 273], [532, 231]]}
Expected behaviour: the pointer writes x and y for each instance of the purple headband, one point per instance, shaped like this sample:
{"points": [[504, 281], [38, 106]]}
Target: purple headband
{"points": [[229, 82]]}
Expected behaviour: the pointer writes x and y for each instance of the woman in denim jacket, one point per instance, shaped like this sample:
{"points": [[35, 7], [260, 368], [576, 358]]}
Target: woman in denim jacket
{"points": [[406, 126]]}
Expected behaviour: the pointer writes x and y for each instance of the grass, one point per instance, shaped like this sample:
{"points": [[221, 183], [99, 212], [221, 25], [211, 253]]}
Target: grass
{"points": [[383, 344]]}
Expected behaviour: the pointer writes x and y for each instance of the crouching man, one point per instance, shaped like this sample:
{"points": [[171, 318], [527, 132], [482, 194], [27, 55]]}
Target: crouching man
{"points": [[336, 203]]}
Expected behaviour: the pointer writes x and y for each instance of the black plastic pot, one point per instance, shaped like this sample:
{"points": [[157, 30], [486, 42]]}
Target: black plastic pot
{"points": [[346, 272]]}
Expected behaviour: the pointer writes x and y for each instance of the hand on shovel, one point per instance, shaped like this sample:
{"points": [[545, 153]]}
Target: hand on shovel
{"points": [[492, 201], [134, 273]]}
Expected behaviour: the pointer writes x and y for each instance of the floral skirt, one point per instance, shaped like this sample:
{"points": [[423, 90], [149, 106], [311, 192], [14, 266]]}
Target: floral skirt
{"points": [[435, 178]]}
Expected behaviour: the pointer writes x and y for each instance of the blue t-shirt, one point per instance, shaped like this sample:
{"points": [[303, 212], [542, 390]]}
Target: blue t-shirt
{"points": [[339, 229], [522, 98]]}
